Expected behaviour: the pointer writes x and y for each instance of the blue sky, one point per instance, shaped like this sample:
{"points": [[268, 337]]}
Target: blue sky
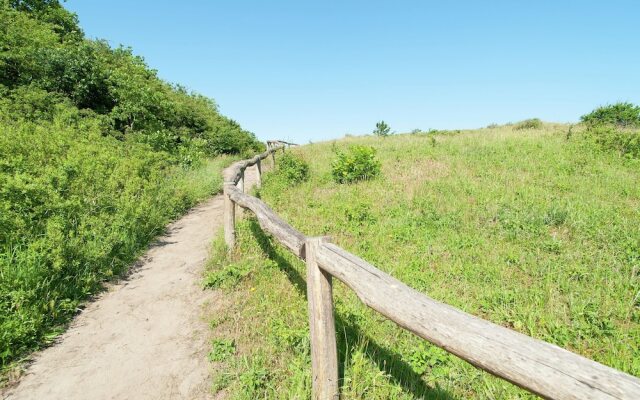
{"points": [[313, 70]]}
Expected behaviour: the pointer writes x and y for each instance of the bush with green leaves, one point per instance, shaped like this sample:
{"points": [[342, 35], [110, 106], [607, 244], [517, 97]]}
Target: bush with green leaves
{"points": [[76, 207], [614, 127], [293, 168], [533, 123], [622, 115], [45, 49], [625, 142], [97, 155], [382, 129], [356, 164]]}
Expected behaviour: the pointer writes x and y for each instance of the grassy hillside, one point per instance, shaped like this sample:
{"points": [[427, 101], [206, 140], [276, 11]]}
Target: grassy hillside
{"points": [[97, 154], [537, 230]]}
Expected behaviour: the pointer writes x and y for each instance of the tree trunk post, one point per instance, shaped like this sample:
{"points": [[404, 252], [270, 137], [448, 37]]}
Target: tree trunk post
{"points": [[259, 174], [240, 186], [324, 355], [229, 218]]}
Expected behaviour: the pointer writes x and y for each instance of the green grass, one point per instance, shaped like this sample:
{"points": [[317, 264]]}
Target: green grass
{"points": [[535, 230]]}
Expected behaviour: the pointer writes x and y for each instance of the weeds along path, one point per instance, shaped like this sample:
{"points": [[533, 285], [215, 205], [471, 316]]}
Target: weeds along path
{"points": [[146, 337]]}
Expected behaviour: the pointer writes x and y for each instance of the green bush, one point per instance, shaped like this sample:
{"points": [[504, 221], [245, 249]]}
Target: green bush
{"points": [[44, 50], [624, 141], [533, 123], [622, 115], [97, 155], [382, 129], [293, 168], [76, 207], [356, 164]]}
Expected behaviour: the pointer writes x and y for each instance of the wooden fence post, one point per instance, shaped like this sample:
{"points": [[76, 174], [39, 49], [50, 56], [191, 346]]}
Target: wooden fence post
{"points": [[259, 174], [324, 355], [240, 186], [229, 218], [273, 158]]}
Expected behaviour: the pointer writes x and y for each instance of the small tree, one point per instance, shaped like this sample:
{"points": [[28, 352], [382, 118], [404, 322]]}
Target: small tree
{"points": [[382, 129], [622, 115]]}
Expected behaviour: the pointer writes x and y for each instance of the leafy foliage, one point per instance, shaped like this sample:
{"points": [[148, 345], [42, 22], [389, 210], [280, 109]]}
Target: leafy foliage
{"points": [[622, 115], [428, 358], [533, 123], [625, 142], [293, 167], [97, 154], [221, 349], [382, 129], [356, 164], [45, 50], [227, 277], [615, 127]]}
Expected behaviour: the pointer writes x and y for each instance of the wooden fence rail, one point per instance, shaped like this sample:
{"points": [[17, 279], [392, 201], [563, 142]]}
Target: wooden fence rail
{"points": [[537, 366]]}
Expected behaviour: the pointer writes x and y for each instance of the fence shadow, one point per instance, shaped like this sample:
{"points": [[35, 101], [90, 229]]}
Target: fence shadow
{"points": [[392, 364]]}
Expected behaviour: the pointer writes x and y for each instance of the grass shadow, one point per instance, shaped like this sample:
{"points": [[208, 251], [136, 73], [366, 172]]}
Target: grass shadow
{"points": [[392, 364]]}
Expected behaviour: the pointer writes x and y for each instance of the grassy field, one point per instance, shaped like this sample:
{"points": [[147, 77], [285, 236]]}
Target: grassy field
{"points": [[533, 229]]}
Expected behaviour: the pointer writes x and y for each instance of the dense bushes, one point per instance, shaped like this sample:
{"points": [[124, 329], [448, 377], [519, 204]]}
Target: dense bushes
{"points": [[75, 208], [97, 154], [356, 164], [622, 115], [615, 127], [293, 168], [625, 142], [533, 123], [44, 49]]}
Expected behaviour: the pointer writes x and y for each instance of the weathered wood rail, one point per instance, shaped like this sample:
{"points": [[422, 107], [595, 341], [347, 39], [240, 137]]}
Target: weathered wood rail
{"points": [[539, 367]]}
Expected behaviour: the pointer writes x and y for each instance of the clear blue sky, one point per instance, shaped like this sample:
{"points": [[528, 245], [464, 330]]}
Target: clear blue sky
{"points": [[312, 70]]}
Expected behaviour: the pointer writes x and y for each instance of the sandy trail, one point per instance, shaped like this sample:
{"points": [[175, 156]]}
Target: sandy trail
{"points": [[145, 338]]}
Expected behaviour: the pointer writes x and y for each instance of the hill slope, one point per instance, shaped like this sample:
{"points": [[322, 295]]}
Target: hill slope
{"points": [[533, 229], [97, 155]]}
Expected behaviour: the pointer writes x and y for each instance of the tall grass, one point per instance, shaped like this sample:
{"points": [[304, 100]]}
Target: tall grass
{"points": [[524, 228]]}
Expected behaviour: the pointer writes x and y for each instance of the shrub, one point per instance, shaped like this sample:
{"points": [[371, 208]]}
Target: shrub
{"points": [[623, 115], [77, 207], [608, 137], [293, 168], [94, 156], [533, 123], [382, 129], [221, 349], [54, 62], [356, 164], [228, 276]]}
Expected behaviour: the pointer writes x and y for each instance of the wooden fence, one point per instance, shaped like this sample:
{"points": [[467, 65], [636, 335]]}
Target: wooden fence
{"points": [[537, 366]]}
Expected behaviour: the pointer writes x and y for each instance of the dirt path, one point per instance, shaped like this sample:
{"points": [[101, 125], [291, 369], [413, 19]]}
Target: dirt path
{"points": [[146, 338]]}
